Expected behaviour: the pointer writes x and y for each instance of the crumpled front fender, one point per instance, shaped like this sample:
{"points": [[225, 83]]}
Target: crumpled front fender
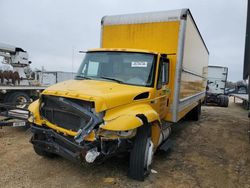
{"points": [[34, 109], [129, 117]]}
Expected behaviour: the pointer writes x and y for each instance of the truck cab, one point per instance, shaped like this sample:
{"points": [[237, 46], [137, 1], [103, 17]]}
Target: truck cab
{"points": [[116, 95]]}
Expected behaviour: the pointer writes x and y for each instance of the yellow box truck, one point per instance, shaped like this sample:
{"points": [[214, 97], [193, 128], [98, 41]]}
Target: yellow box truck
{"points": [[147, 75]]}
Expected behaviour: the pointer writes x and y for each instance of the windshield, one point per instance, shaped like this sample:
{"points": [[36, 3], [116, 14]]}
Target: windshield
{"points": [[122, 67]]}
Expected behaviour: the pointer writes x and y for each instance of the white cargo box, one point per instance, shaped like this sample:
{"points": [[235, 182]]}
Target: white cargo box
{"points": [[217, 77], [50, 78]]}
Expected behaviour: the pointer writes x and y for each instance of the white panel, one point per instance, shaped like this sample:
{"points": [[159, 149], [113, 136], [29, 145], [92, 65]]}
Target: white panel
{"points": [[162, 16], [48, 78], [195, 60], [195, 53], [7, 47], [217, 77], [62, 76]]}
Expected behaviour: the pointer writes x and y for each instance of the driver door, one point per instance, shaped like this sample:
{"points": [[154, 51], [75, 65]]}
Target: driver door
{"points": [[163, 91]]}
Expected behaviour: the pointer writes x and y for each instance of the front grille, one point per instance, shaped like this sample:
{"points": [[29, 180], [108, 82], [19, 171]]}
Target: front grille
{"points": [[56, 111]]}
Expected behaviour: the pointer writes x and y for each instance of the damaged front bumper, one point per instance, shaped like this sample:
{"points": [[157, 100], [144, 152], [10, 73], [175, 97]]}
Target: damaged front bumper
{"points": [[49, 140]]}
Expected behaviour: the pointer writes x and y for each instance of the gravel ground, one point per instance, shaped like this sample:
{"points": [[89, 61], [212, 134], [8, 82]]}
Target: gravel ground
{"points": [[213, 152]]}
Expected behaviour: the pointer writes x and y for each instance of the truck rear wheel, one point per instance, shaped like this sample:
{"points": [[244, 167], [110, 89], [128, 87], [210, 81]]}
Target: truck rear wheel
{"points": [[195, 113], [226, 101], [142, 154], [20, 99], [223, 101]]}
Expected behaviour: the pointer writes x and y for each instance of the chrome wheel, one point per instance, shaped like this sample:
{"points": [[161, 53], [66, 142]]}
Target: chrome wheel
{"points": [[149, 154], [21, 102]]}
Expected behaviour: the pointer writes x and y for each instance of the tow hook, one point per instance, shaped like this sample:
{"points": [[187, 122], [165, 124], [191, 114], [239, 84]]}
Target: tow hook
{"points": [[91, 155]]}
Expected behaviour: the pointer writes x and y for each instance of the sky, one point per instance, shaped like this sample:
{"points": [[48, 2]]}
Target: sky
{"points": [[53, 32]]}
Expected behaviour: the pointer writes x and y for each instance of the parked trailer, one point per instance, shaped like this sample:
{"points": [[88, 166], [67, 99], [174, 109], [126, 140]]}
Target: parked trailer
{"points": [[243, 97], [21, 95], [216, 85], [49, 78], [148, 74]]}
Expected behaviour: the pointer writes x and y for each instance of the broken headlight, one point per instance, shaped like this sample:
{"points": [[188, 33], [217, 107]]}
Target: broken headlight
{"points": [[31, 117], [116, 134]]}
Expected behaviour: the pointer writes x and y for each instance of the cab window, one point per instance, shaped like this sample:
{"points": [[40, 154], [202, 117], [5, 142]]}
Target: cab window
{"points": [[163, 76]]}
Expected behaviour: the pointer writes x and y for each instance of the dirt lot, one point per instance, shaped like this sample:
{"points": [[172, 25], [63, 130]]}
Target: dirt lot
{"points": [[213, 152]]}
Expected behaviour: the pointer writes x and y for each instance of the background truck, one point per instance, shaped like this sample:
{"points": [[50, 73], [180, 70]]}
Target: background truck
{"points": [[216, 85], [19, 85], [148, 74]]}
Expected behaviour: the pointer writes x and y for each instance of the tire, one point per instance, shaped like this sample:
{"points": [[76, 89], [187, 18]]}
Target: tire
{"points": [[20, 99], [6, 98], [223, 101], [195, 113], [142, 154], [43, 153], [226, 100]]}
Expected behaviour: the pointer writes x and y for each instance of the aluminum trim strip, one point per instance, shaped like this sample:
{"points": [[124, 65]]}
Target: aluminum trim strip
{"points": [[162, 16], [191, 72], [178, 69]]}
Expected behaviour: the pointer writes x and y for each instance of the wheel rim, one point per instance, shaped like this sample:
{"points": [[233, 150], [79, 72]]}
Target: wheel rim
{"points": [[21, 102], [149, 153]]}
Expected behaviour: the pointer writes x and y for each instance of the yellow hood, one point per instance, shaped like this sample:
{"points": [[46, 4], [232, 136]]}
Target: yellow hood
{"points": [[104, 94]]}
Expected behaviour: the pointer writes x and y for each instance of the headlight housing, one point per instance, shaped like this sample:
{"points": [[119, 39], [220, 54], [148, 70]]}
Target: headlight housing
{"points": [[31, 117], [107, 134]]}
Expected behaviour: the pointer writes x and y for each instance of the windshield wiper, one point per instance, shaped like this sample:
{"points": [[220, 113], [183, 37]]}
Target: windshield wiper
{"points": [[113, 79], [83, 77]]}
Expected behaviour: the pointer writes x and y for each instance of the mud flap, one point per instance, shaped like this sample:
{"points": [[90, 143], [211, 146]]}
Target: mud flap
{"points": [[166, 145]]}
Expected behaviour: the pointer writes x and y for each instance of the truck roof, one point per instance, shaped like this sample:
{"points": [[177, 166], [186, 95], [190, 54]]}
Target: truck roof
{"points": [[150, 17], [122, 50], [9, 48], [160, 16]]}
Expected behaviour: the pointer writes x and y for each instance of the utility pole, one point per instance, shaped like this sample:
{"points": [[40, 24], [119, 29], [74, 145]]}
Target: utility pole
{"points": [[246, 68]]}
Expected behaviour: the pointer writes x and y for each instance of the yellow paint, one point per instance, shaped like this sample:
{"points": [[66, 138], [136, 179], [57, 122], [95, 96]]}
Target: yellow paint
{"points": [[91, 137], [117, 99], [160, 37], [155, 133], [122, 50], [59, 129], [124, 117], [105, 94], [34, 108]]}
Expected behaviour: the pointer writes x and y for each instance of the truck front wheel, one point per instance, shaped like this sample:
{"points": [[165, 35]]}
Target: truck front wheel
{"points": [[43, 153], [142, 154], [39, 149]]}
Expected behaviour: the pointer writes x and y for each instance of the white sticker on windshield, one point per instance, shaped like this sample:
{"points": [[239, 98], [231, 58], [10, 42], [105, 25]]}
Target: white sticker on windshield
{"points": [[139, 64]]}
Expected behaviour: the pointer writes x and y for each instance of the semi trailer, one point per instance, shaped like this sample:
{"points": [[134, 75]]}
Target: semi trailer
{"points": [[148, 74], [216, 85]]}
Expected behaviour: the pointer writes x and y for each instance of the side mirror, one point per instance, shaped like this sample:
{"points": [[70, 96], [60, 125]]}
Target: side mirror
{"points": [[163, 72], [164, 58]]}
